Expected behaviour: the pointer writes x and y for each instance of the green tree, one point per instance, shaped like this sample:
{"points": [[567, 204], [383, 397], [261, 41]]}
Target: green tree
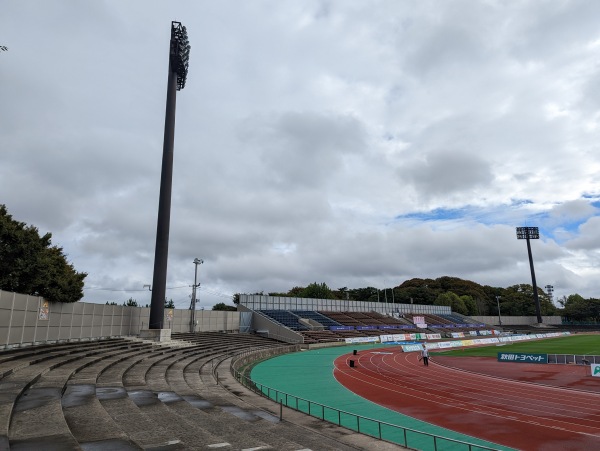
{"points": [[130, 303], [453, 301], [342, 293], [368, 294], [169, 303], [421, 291], [30, 264], [470, 305], [222, 307], [576, 308], [295, 292], [518, 300], [317, 291]]}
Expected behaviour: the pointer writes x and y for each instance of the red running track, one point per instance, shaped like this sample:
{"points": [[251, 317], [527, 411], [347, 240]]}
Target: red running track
{"points": [[512, 413]]}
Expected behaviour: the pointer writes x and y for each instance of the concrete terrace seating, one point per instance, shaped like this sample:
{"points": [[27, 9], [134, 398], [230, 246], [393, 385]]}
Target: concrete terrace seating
{"points": [[129, 394]]}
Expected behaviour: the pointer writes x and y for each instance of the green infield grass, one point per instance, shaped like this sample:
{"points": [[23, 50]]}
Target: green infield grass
{"points": [[572, 344]]}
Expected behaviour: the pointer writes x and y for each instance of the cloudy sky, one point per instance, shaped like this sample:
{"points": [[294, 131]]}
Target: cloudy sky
{"points": [[349, 142]]}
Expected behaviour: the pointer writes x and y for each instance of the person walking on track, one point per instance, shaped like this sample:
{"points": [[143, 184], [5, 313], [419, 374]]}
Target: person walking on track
{"points": [[425, 356]]}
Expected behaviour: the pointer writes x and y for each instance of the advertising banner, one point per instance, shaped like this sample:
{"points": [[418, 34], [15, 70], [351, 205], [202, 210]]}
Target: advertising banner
{"points": [[362, 340], [595, 369], [44, 313], [522, 357]]}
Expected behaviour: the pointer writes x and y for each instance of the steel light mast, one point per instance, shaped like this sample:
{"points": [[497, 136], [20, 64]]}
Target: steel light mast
{"points": [[531, 233], [179, 53]]}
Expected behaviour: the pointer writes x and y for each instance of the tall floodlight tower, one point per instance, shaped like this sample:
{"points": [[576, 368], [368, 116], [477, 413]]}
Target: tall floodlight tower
{"points": [[531, 233], [550, 293], [179, 53]]}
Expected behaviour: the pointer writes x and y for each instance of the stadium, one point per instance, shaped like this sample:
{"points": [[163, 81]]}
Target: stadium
{"points": [[286, 373]]}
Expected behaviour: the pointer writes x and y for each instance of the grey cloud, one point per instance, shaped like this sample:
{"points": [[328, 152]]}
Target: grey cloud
{"points": [[588, 238], [572, 211], [303, 132], [550, 28], [445, 172], [446, 48], [302, 149]]}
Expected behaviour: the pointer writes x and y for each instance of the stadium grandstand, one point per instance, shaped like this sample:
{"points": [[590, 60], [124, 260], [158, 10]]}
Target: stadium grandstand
{"points": [[312, 321], [78, 376]]}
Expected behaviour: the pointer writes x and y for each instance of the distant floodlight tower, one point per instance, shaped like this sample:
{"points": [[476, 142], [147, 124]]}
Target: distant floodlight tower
{"points": [[531, 233], [550, 292], [179, 53]]}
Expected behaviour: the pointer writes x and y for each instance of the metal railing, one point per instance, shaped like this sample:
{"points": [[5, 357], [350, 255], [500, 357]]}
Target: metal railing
{"points": [[573, 359], [404, 436]]}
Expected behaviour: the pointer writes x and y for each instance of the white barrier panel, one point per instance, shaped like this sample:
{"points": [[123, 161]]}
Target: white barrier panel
{"points": [[595, 369], [450, 344], [355, 340], [410, 348]]}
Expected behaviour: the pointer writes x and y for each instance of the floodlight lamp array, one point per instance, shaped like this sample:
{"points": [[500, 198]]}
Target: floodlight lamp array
{"points": [[531, 233], [180, 53]]}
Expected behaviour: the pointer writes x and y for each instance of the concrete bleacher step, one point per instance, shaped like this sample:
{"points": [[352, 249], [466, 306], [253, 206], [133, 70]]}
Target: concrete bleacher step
{"points": [[139, 395], [14, 385], [239, 425], [119, 423], [114, 374], [228, 394], [88, 421], [33, 407], [23, 357], [146, 421], [173, 343], [143, 386]]}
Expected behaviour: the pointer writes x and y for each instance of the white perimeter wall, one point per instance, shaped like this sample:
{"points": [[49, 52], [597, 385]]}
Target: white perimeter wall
{"points": [[30, 319]]}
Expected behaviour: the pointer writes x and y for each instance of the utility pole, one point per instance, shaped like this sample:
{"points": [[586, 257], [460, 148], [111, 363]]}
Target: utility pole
{"points": [[197, 262], [499, 316], [179, 53]]}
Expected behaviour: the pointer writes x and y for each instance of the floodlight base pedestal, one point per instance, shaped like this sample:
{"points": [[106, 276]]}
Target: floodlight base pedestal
{"points": [[156, 334]]}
